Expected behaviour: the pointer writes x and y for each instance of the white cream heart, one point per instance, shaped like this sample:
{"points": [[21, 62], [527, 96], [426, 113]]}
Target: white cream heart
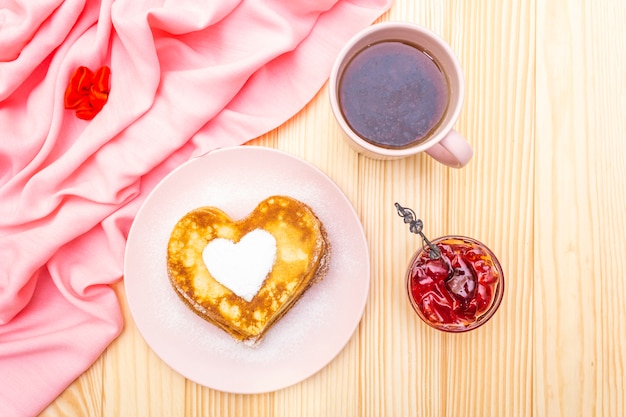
{"points": [[241, 267]]}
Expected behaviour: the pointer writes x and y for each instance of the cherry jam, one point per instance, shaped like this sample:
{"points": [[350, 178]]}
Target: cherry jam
{"points": [[458, 291]]}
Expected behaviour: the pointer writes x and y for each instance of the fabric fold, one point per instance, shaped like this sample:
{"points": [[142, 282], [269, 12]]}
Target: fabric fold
{"points": [[186, 77]]}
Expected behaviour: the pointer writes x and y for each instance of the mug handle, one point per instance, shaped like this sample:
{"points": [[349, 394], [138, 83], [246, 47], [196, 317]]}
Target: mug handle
{"points": [[453, 150]]}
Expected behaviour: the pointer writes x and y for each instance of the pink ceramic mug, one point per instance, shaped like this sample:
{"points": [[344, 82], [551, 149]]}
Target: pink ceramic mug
{"points": [[440, 141]]}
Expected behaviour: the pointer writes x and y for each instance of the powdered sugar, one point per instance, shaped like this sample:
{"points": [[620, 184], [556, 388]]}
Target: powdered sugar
{"points": [[241, 267]]}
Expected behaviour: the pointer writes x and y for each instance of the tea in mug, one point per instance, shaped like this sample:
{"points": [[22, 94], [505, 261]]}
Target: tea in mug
{"points": [[393, 94]]}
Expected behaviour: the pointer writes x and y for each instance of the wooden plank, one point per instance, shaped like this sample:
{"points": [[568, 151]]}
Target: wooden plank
{"points": [[580, 212]]}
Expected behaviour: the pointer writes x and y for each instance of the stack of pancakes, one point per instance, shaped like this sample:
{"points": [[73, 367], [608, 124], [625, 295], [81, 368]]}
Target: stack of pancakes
{"points": [[300, 257]]}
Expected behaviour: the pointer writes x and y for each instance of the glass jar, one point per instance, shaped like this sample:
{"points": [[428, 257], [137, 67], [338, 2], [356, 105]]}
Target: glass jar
{"points": [[458, 289]]}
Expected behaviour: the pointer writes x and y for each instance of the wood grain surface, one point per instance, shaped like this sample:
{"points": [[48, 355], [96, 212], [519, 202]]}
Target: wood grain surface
{"points": [[546, 191]]}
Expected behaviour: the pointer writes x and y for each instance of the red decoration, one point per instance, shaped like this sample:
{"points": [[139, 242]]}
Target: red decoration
{"points": [[88, 91]]}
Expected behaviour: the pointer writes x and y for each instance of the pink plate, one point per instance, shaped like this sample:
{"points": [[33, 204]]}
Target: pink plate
{"points": [[308, 337]]}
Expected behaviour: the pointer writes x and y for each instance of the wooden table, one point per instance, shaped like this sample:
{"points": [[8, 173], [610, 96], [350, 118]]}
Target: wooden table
{"points": [[546, 190]]}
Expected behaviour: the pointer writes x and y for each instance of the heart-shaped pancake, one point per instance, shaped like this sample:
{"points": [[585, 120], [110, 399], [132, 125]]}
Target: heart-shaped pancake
{"points": [[243, 275]]}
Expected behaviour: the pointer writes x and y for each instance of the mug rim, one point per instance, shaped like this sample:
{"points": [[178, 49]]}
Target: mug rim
{"points": [[345, 54]]}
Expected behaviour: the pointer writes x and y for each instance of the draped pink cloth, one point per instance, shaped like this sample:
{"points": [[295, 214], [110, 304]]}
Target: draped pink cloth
{"points": [[187, 76]]}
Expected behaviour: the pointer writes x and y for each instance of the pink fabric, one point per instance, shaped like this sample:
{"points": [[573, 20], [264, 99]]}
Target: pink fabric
{"points": [[187, 76]]}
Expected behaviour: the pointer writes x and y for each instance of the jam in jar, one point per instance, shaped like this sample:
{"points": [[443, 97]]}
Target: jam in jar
{"points": [[459, 288]]}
